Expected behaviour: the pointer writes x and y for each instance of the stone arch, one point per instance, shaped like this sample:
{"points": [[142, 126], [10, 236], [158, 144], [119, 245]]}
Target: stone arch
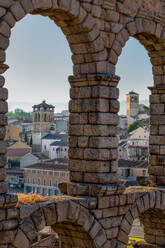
{"points": [[149, 33], [149, 208], [78, 25], [74, 224]]}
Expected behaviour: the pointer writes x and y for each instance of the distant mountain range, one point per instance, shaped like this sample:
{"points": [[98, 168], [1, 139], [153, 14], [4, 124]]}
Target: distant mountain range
{"points": [[59, 106]]}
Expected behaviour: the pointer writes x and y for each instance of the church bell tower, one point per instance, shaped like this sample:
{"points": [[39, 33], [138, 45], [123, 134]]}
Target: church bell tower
{"points": [[43, 116], [132, 104]]}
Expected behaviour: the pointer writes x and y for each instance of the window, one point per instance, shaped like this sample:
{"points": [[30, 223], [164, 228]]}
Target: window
{"points": [[39, 181], [121, 172], [44, 147], [33, 172], [44, 181], [50, 173], [39, 172], [28, 180], [61, 149], [50, 182], [144, 172], [56, 174], [63, 174], [45, 172], [33, 181], [65, 149]]}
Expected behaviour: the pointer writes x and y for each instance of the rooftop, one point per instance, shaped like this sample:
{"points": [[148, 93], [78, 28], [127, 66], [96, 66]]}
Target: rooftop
{"points": [[133, 164], [55, 136], [18, 152], [60, 143], [49, 166], [40, 155], [43, 105], [133, 93]]}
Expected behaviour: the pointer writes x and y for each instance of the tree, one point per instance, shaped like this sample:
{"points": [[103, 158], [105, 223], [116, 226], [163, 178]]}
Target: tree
{"points": [[26, 138], [31, 141], [19, 113], [142, 158], [139, 123]]}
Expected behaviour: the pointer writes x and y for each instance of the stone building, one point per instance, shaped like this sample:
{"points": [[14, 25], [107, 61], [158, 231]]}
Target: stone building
{"points": [[135, 110], [132, 104], [43, 116], [137, 149], [130, 170], [44, 178]]}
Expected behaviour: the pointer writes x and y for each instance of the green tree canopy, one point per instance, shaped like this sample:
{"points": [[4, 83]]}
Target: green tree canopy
{"points": [[19, 113], [139, 123]]}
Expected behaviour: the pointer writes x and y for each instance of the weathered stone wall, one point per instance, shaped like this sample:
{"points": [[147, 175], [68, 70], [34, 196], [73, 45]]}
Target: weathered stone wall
{"points": [[102, 221]]}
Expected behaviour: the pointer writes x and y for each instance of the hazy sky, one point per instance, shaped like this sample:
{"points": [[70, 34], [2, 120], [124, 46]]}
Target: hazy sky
{"points": [[40, 62]]}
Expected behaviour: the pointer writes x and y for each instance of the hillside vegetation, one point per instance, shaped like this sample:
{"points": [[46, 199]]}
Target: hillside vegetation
{"points": [[138, 123], [19, 113]]}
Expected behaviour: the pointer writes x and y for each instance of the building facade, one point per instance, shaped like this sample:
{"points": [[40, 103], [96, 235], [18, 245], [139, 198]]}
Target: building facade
{"points": [[43, 178], [137, 149], [12, 133], [130, 170], [15, 152], [139, 133], [43, 116], [122, 127], [51, 144]]}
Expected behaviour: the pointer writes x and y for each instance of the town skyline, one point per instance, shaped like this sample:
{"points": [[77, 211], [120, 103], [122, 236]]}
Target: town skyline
{"points": [[33, 69]]}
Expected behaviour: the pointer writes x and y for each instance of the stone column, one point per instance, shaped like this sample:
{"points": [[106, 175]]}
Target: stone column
{"points": [[157, 135], [3, 145], [93, 139]]}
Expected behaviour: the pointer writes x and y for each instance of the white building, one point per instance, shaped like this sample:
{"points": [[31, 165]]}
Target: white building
{"points": [[59, 149], [49, 146], [140, 133]]}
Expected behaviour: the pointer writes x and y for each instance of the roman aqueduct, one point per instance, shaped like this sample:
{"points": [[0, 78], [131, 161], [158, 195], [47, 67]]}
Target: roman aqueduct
{"points": [[95, 210]]}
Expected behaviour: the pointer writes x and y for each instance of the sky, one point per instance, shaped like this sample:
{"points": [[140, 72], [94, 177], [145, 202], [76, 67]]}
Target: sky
{"points": [[40, 63]]}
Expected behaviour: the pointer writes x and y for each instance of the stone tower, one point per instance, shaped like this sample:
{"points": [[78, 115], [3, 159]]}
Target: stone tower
{"points": [[43, 115], [132, 104]]}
